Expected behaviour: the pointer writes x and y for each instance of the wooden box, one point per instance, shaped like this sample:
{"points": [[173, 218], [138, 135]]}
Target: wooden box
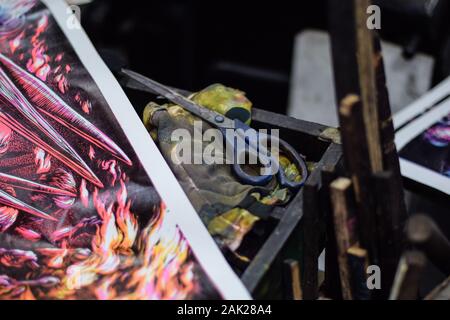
{"points": [[265, 277]]}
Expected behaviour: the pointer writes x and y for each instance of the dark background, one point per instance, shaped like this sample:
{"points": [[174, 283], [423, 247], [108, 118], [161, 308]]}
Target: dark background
{"points": [[245, 44]]}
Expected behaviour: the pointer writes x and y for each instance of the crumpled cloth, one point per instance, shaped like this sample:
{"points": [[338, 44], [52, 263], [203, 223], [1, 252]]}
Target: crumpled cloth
{"points": [[225, 205]]}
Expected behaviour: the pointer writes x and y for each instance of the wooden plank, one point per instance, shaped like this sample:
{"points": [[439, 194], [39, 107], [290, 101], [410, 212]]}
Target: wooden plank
{"points": [[292, 283], [358, 263], [262, 262], [367, 134], [441, 292], [340, 190], [390, 228], [357, 63], [277, 120], [366, 74], [293, 214], [289, 217], [310, 266], [332, 282], [407, 278], [343, 48], [387, 132], [423, 233], [391, 160]]}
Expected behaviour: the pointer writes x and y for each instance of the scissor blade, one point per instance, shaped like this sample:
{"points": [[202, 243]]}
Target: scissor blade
{"points": [[10, 201], [130, 83], [53, 106], [25, 184], [173, 96]]}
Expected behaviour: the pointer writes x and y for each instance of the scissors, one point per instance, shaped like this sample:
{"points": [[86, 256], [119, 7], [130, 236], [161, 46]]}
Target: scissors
{"points": [[242, 143]]}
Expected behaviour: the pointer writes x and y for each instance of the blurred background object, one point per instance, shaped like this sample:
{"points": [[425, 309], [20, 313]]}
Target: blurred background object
{"points": [[312, 78], [250, 45]]}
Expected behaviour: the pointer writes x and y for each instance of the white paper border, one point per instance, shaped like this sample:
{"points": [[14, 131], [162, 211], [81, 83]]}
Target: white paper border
{"points": [[412, 170], [423, 103], [425, 176], [202, 244]]}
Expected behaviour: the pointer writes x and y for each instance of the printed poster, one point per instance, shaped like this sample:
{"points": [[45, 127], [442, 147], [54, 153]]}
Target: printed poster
{"points": [[424, 141], [88, 207]]}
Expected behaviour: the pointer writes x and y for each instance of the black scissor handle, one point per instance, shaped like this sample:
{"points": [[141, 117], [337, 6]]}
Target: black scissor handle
{"points": [[242, 151], [256, 145], [293, 156], [254, 180]]}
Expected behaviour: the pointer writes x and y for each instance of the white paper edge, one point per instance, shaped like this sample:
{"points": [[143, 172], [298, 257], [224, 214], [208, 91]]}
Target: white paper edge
{"points": [[202, 244], [425, 176], [423, 103], [415, 171], [418, 126]]}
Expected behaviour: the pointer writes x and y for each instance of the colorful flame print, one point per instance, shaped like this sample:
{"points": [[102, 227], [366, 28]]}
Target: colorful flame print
{"points": [[122, 262], [76, 234], [439, 135]]}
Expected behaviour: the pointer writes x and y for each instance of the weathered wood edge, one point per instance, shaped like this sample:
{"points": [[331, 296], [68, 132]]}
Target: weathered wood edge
{"points": [[268, 252]]}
